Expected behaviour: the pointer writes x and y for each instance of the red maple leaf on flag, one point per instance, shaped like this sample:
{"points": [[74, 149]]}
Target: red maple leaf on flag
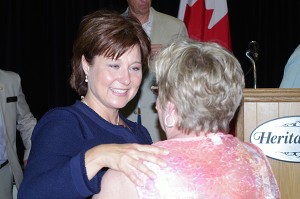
{"points": [[206, 20]]}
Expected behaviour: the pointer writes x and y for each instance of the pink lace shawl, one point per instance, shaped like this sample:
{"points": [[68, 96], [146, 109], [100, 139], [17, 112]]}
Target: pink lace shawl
{"points": [[213, 167]]}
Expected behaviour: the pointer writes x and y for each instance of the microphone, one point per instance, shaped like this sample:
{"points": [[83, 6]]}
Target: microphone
{"points": [[253, 49], [252, 54]]}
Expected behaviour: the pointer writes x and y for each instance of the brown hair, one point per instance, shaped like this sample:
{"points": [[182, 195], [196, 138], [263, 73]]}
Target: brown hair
{"points": [[106, 33]]}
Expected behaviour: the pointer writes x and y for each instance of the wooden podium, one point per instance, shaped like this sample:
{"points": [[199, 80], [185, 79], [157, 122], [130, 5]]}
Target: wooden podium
{"points": [[259, 106]]}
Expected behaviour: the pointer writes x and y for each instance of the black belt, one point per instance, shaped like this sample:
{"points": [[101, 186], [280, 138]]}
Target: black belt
{"points": [[3, 164]]}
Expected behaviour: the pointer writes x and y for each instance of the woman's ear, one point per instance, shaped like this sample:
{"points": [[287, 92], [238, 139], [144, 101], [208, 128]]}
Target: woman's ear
{"points": [[170, 108], [85, 65], [170, 115]]}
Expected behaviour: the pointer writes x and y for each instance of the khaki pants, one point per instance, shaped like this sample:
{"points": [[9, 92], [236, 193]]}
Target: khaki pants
{"points": [[6, 182]]}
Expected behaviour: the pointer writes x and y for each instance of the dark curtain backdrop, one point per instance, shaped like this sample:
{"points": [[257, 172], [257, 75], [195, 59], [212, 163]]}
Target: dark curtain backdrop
{"points": [[37, 36]]}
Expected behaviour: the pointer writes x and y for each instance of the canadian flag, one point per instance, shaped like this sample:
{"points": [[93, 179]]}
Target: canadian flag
{"points": [[206, 20]]}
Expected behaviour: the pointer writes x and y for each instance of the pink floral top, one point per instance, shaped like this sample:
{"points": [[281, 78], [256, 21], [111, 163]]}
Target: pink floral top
{"points": [[218, 166]]}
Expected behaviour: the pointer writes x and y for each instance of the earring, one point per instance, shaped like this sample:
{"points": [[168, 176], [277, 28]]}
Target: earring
{"points": [[172, 121], [86, 79]]}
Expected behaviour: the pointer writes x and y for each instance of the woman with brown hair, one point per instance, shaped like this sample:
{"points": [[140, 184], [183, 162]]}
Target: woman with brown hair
{"points": [[73, 146]]}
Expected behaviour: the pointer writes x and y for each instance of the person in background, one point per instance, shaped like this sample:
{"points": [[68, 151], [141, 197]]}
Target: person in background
{"points": [[162, 29], [14, 115], [73, 146], [199, 87], [291, 76]]}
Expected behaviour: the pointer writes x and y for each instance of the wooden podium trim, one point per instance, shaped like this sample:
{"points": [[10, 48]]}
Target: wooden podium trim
{"points": [[271, 95], [264, 104], [277, 95]]}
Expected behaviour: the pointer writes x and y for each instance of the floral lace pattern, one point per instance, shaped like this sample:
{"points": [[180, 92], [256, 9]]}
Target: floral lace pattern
{"points": [[212, 167]]}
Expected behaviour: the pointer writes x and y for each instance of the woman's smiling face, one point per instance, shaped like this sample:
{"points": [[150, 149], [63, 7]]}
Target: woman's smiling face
{"points": [[114, 82]]}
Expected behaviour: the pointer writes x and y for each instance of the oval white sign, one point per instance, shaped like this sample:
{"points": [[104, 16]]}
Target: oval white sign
{"points": [[279, 138]]}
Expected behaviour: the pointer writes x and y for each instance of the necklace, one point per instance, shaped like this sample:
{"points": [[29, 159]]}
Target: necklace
{"points": [[83, 100], [118, 120]]}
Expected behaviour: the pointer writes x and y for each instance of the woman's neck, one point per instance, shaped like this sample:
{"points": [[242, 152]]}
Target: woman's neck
{"points": [[112, 119], [174, 134]]}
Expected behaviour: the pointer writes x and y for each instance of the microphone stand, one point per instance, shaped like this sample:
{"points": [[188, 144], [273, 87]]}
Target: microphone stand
{"points": [[252, 54], [254, 67]]}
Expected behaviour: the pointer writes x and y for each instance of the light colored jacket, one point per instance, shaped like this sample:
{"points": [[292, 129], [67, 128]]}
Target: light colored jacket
{"points": [[16, 116], [165, 29], [291, 77]]}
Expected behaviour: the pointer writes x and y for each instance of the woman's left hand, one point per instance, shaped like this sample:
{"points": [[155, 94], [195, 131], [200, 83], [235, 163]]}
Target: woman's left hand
{"points": [[125, 158]]}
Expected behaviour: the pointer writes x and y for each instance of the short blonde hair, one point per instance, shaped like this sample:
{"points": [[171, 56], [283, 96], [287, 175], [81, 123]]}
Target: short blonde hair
{"points": [[205, 82]]}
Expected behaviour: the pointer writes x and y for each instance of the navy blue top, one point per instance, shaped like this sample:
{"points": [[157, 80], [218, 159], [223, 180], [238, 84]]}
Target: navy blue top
{"points": [[55, 166]]}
